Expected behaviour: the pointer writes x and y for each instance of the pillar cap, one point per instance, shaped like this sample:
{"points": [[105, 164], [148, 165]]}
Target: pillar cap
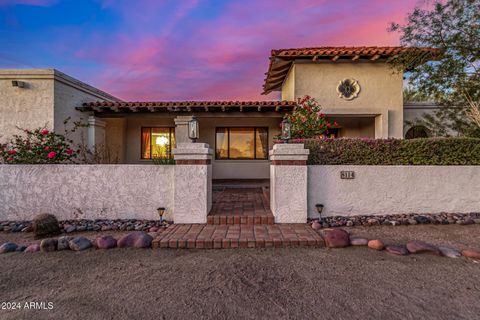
{"points": [[289, 151], [192, 151]]}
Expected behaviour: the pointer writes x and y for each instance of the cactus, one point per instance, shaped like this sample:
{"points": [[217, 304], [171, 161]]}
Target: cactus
{"points": [[45, 225]]}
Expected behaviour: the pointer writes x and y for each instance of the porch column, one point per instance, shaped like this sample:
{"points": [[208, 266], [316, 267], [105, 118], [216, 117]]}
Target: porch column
{"points": [[181, 128], [95, 132], [192, 183], [288, 183]]}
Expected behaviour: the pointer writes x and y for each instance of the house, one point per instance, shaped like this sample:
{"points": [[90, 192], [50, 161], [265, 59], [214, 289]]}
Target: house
{"points": [[355, 86]]}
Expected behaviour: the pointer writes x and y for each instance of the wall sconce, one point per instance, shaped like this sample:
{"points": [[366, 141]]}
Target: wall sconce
{"points": [[193, 129], [319, 207], [286, 130], [17, 83], [161, 211]]}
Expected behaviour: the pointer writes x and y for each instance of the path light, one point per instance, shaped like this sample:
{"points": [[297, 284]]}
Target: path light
{"points": [[161, 211], [193, 129], [286, 130], [319, 207]]}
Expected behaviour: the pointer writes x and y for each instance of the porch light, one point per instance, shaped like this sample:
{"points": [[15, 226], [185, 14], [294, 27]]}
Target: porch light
{"points": [[286, 130], [161, 211], [319, 207], [193, 130]]}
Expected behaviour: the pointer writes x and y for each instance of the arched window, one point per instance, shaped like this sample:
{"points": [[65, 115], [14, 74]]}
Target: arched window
{"points": [[416, 132]]}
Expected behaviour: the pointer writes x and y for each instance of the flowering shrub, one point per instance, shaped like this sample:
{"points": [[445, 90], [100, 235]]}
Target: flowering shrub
{"points": [[361, 151], [37, 147], [308, 121]]}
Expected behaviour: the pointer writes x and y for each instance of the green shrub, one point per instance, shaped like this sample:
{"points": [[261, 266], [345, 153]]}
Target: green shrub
{"points": [[433, 151]]}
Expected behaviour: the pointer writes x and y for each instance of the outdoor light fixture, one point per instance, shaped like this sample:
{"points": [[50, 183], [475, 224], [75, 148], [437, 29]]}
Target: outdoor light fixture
{"points": [[319, 207], [161, 211], [286, 130], [193, 129], [19, 84]]}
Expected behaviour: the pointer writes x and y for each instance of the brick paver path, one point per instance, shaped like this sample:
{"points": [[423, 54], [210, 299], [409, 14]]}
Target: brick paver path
{"points": [[203, 236], [240, 206]]}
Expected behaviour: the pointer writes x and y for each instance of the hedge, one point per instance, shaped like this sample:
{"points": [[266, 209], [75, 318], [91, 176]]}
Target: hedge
{"points": [[432, 151]]}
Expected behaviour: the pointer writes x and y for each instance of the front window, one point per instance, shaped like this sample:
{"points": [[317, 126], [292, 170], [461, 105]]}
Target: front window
{"points": [[241, 143], [157, 142]]}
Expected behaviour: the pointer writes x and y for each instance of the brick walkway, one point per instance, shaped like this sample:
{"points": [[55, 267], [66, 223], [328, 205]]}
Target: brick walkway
{"points": [[240, 206], [202, 236]]}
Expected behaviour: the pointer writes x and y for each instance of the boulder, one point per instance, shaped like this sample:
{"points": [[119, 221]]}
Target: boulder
{"points": [[8, 247], [48, 245], [70, 228], [137, 239], [316, 225], [471, 253], [21, 248], [335, 238], [32, 248], [449, 252], [397, 249], [355, 241], [45, 225], [422, 247], [63, 243], [106, 242], [376, 244], [79, 243]]}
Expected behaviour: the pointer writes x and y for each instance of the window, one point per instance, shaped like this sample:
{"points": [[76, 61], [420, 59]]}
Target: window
{"points": [[241, 143], [416, 132], [157, 142]]}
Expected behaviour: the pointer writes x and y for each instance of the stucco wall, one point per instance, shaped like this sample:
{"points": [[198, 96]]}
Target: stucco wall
{"points": [[85, 191], [288, 89], [381, 89], [394, 189]]}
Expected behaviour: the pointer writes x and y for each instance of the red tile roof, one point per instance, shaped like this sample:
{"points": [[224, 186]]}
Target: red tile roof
{"points": [[188, 106], [282, 59]]}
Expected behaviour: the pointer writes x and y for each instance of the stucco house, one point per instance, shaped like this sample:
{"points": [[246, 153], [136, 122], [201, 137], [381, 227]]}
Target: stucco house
{"points": [[355, 86]]}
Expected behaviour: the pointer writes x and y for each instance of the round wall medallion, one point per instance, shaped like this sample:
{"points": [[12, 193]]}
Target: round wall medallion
{"points": [[348, 89]]}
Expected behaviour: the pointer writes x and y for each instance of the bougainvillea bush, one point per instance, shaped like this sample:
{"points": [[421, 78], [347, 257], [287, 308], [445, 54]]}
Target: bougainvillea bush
{"points": [[37, 146], [361, 151], [308, 121]]}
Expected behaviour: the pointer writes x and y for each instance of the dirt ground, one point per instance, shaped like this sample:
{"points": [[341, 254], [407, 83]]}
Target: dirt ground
{"points": [[293, 283]]}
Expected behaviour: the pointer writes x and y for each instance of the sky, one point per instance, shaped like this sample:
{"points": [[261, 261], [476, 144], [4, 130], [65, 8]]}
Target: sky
{"points": [[163, 50]]}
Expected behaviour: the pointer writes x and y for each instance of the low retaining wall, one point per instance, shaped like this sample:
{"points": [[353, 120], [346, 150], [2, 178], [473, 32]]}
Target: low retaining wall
{"points": [[393, 190], [86, 191]]}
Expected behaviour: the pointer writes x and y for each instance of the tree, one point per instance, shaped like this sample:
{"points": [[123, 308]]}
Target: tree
{"points": [[453, 26]]}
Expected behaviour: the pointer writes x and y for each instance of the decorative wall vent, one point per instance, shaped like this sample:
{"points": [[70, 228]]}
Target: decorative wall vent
{"points": [[348, 89]]}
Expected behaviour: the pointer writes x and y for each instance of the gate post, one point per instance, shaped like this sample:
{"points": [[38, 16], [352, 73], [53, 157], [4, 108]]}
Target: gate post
{"points": [[192, 198], [288, 182]]}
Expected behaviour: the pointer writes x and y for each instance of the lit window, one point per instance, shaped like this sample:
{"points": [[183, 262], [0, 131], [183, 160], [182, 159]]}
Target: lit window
{"points": [[157, 142], [241, 143]]}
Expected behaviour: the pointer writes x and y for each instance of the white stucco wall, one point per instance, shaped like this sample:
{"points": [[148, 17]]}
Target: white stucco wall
{"points": [[85, 191], [394, 189]]}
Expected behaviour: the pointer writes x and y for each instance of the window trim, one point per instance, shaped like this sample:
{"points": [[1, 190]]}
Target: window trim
{"points": [[254, 143], [171, 131]]}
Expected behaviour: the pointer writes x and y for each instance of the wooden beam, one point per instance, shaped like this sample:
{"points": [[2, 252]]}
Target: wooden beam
{"points": [[241, 108], [314, 58], [151, 109], [335, 58], [259, 108], [356, 57], [277, 108], [206, 108], [189, 109], [375, 57], [134, 109], [223, 108]]}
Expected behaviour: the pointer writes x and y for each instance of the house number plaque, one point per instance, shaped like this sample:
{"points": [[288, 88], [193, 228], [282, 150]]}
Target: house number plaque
{"points": [[347, 175]]}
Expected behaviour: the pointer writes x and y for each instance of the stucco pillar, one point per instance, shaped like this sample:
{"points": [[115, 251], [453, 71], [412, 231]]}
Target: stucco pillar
{"points": [[181, 128], [96, 133], [288, 183], [381, 126], [193, 183]]}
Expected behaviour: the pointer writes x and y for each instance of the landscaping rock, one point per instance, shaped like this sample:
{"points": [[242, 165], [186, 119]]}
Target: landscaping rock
{"points": [[316, 225], [8, 247], [450, 252], [397, 249], [48, 245], [106, 242], [70, 229], [422, 247], [335, 238], [137, 239], [63, 243], [32, 248], [21, 248], [376, 244], [471, 253], [79, 244], [45, 225], [354, 241]]}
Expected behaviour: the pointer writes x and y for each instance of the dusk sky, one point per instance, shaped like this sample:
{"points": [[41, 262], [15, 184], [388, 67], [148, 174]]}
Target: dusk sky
{"points": [[184, 49]]}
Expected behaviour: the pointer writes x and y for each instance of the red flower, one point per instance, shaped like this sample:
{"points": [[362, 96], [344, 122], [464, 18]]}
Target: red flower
{"points": [[328, 124], [44, 131], [69, 152], [51, 154], [9, 159], [46, 148], [12, 152]]}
